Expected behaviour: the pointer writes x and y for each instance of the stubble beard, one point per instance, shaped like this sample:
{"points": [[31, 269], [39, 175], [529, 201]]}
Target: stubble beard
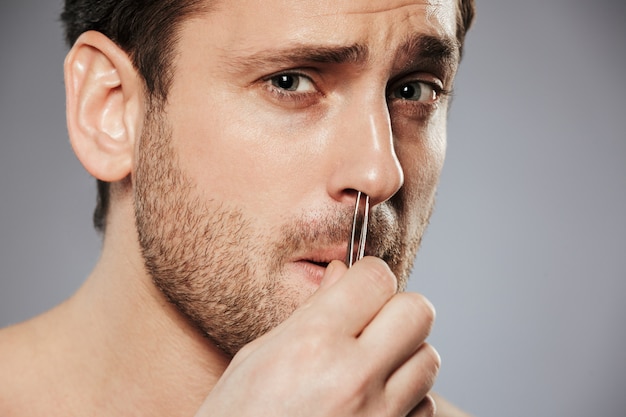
{"points": [[225, 277]]}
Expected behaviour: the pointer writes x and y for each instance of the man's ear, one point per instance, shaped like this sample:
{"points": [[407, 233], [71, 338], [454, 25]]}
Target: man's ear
{"points": [[104, 103]]}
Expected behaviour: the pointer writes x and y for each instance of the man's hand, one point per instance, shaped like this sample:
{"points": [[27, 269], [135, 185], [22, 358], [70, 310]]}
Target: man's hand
{"points": [[355, 348]]}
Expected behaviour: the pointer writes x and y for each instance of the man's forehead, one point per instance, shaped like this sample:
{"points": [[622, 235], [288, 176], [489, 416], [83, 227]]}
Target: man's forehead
{"points": [[441, 11], [362, 6], [254, 24]]}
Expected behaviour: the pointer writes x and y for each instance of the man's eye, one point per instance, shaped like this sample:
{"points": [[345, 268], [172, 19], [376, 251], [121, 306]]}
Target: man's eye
{"points": [[293, 82], [415, 91]]}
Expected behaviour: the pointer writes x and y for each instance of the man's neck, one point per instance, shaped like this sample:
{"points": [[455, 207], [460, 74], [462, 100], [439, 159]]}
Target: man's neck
{"points": [[117, 347]]}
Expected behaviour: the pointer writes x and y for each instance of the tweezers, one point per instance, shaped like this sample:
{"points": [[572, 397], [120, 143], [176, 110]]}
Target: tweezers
{"points": [[363, 214]]}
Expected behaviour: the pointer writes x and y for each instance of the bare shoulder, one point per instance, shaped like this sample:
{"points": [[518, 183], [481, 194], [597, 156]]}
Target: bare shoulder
{"points": [[447, 409], [19, 379]]}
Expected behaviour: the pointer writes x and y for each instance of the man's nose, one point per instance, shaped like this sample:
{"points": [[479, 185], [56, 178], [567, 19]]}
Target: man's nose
{"points": [[367, 161]]}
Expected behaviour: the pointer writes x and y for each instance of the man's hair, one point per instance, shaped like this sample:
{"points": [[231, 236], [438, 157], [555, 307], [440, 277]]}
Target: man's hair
{"points": [[147, 31]]}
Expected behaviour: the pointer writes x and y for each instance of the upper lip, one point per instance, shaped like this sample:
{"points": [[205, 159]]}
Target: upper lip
{"points": [[324, 255]]}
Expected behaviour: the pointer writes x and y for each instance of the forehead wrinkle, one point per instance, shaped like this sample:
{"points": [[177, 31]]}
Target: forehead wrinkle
{"points": [[386, 9]]}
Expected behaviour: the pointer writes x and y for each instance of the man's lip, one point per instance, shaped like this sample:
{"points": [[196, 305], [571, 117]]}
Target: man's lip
{"points": [[323, 257], [314, 262]]}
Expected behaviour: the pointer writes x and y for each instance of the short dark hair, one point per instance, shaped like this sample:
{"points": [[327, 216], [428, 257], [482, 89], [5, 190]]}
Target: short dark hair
{"points": [[147, 31], [465, 11]]}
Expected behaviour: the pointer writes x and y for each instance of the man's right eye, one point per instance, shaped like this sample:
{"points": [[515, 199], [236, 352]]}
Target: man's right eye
{"points": [[292, 82]]}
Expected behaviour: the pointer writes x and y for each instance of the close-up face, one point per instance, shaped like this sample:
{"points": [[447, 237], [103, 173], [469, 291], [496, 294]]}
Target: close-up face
{"points": [[278, 113]]}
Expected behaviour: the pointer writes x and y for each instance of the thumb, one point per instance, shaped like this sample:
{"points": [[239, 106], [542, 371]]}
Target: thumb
{"points": [[334, 271]]}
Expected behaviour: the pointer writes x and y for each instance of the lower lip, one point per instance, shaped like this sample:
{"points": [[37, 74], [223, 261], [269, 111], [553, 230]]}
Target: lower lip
{"points": [[313, 272]]}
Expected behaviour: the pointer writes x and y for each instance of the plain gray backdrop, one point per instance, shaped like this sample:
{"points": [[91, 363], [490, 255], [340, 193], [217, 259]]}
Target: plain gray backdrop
{"points": [[525, 258]]}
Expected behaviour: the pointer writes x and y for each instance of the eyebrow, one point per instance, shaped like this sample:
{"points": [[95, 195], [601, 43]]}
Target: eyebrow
{"points": [[429, 52], [419, 49], [300, 54]]}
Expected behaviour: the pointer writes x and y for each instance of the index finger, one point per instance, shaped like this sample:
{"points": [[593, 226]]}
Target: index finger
{"points": [[355, 298]]}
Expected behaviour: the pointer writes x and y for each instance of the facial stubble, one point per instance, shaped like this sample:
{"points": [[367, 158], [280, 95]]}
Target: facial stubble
{"points": [[226, 277]]}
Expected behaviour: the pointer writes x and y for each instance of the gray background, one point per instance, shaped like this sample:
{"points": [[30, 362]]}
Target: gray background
{"points": [[525, 258]]}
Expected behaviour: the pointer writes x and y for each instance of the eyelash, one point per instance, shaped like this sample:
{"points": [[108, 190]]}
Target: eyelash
{"points": [[294, 96], [414, 108]]}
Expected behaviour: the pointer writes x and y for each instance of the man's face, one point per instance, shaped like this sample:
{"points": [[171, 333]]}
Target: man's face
{"points": [[278, 112]]}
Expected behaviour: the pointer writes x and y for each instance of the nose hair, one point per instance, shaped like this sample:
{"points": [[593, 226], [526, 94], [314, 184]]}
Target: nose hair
{"points": [[368, 161]]}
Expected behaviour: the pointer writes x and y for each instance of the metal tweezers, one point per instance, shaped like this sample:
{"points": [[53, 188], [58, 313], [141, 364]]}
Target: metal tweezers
{"points": [[363, 213]]}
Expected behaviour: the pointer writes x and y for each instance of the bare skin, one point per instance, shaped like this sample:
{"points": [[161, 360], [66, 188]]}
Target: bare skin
{"points": [[235, 138]]}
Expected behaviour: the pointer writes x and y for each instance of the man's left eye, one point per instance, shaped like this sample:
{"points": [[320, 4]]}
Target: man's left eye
{"points": [[415, 91], [293, 82]]}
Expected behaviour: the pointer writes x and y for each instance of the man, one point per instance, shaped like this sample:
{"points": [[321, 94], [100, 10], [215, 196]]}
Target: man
{"points": [[230, 140]]}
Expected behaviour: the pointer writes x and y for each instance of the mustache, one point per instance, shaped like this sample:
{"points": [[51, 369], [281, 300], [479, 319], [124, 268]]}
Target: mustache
{"points": [[334, 228]]}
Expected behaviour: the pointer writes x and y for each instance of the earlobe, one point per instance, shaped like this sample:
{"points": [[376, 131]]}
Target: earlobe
{"points": [[104, 106]]}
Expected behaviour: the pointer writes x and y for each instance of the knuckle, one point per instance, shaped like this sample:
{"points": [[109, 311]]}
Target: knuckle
{"points": [[379, 275], [433, 359], [419, 310], [426, 308], [426, 408]]}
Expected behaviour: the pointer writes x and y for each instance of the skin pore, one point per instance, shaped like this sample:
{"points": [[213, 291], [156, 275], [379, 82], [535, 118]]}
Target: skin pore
{"points": [[228, 202], [207, 187]]}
